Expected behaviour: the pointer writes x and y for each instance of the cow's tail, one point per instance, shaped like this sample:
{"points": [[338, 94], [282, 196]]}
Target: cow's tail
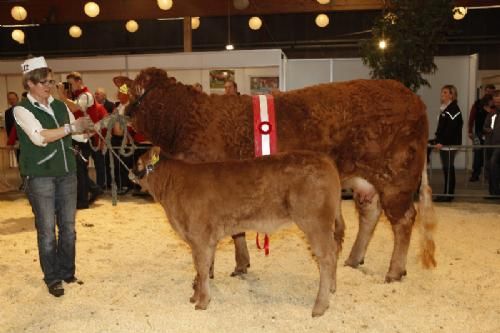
{"points": [[428, 221]]}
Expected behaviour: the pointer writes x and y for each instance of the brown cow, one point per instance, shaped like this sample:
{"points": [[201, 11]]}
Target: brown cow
{"points": [[205, 202], [375, 130]]}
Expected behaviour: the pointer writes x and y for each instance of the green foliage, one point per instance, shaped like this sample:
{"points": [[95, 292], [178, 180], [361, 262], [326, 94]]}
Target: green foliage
{"points": [[413, 29]]}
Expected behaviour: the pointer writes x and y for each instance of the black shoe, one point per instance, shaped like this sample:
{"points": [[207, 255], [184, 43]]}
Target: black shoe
{"points": [[94, 195], [73, 279], [123, 191], [56, 289], [473, 178], [442, 198], [80, 205]]}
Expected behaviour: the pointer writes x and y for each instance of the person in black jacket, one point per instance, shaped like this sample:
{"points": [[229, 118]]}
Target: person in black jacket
{"points": [[448, 133], [492, 131]]}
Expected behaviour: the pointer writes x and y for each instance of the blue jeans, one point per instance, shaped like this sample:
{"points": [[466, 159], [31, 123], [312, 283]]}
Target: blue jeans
{"points": [[53, 201]]}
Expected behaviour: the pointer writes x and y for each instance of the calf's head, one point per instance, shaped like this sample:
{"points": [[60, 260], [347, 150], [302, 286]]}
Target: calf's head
{"points": [[145, 165]]}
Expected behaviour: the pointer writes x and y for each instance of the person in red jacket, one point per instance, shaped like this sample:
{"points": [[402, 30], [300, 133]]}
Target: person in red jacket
{"points": [[82, 101]]}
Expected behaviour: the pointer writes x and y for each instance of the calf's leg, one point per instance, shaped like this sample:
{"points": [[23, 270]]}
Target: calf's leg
{"points": [[323, 247], [241, 254], [202, 256], [369, 213]]}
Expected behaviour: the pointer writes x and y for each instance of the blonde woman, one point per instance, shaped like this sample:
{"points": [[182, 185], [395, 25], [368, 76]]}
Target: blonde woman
{"points": [[448, 133]]}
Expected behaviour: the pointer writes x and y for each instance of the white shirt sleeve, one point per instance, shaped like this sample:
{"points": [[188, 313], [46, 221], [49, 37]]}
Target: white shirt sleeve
{"points": [[85, 100], [30, 125], [76, 137]]}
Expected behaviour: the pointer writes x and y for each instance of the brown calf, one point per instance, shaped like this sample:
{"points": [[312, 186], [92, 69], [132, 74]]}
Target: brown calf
{"points": [[205, 202]]}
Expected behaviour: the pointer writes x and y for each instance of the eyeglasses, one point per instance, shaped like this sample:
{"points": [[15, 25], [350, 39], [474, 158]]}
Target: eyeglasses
{"points": [[47, 82]]}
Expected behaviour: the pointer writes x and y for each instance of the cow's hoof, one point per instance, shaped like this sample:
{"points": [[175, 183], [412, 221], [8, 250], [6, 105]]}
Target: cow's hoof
{"points": [[354, 263], [391, 277], [319, 310], [201, 305], [192, 299]]}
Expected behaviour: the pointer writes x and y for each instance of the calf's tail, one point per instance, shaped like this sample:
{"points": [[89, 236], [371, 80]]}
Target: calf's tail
{"points": [[427, 220]]}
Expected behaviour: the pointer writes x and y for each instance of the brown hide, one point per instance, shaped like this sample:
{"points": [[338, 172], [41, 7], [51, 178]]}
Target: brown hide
{"points": [[375, 129], [205, 202]]}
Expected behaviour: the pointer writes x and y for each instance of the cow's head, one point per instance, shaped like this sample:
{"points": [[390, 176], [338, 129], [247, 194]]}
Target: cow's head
{"points": [[147, 80]]}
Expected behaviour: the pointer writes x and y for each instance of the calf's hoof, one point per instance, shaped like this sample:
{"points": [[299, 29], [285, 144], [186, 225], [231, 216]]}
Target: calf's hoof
{"points": [[193, 299], [319, 310], [391, 277], [201, 305]]}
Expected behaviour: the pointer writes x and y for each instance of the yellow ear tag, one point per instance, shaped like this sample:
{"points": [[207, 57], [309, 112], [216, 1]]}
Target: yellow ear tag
{"points": [[155, 159], [123, 89]]}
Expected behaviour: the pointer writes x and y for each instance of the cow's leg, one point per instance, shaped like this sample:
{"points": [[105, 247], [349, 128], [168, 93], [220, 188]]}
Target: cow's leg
{"points": [[402, 228], [241, 254], [323, 246], [202, 256], [369, 213]]}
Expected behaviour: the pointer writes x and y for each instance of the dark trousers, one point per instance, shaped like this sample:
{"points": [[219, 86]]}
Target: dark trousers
{"points": [[121, 173], [494, 179], [100, 168], [448, 164], [85, 184], [478, 162]]}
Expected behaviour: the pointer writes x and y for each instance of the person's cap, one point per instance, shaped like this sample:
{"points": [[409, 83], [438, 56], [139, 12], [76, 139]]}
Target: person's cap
{"points": [[33, 63]]}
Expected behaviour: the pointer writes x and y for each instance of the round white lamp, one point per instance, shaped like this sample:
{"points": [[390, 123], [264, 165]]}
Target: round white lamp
{"points": [[382, 44], [322, 20], [132, 26], [324, 2], [165, 4], [195, 22], [240, 4], [18, 36], [91, 9], [255, 23], [75, 31], [18, 13], [459, 13]]}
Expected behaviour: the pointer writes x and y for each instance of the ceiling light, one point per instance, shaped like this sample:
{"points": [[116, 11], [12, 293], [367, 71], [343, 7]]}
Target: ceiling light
{"points": [[91, 9], [382, 44], [323, 2], [459, 13], [18, 13], [195, 22], [75, 31], [132, 26], [322, 20], [255, 23], [18, 36], [165, 4], [229, 47], [240, 4]]}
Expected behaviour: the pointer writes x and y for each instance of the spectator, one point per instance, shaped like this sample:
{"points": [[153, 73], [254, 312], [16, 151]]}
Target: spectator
{"points": [[10, 128], [101, 98], [476, 122], [492, 132], [84, 102], [230, 88], [44, 126], [198, 87], [448, 133]]}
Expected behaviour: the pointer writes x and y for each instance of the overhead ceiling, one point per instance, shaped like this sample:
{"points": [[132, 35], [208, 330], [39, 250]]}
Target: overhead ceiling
{"points": [[71, 11]]}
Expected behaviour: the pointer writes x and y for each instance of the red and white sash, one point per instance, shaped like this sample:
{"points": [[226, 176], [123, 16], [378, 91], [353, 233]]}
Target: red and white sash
{"points": [[264, 125]]}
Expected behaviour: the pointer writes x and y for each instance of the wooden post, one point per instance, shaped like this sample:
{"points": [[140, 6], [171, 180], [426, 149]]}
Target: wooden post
{"points": [[188, 35]]}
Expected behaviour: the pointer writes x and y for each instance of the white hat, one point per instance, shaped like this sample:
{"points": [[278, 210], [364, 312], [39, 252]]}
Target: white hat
{"points": [[33, 63]]}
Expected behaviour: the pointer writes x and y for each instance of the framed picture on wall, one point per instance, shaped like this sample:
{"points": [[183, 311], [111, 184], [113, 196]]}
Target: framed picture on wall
{"points": [[219, 76], [263, 84]]}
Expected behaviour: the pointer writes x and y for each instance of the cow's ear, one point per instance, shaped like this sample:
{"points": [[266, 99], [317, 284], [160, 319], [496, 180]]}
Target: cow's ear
{"points": [[121, 80]]}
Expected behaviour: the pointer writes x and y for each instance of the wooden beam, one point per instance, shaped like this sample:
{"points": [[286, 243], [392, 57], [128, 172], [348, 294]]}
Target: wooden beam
{"points": [[188, 35]]}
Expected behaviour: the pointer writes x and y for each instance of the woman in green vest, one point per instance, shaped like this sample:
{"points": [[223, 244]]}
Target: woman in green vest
{"points": [[45, 127]]}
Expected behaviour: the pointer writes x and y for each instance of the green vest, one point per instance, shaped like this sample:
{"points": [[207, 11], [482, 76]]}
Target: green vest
{"points": [[56, 158]]}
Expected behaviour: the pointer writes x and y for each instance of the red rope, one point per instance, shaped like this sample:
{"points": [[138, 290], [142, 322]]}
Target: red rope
{"points": [[266, 243]]}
